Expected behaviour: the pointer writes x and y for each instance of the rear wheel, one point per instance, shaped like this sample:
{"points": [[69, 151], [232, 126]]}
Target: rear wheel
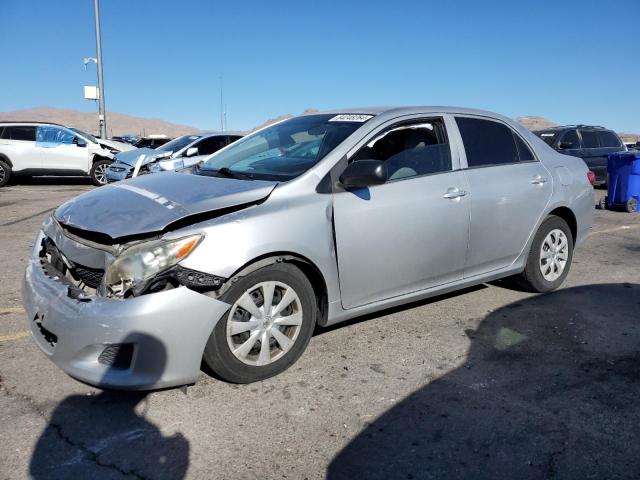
{"points": [[5, 173], [549, 258], [632, 205], [98, 172], [268, 326]]}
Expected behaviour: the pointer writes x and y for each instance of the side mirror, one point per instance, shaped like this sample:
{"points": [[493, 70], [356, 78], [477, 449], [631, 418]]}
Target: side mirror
{"points": [[566, 145], [364, 173], [191, 152], [79, 142]]}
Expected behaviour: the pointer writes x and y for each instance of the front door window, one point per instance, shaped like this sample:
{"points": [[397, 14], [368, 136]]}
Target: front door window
{"points": [[410, 150]]}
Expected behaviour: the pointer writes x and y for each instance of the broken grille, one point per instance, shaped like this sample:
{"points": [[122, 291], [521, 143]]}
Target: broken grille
{"points": [[56, 265]]}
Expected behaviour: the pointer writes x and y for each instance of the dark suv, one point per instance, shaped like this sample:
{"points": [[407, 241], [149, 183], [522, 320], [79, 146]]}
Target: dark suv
{"points": [[592, 144]]}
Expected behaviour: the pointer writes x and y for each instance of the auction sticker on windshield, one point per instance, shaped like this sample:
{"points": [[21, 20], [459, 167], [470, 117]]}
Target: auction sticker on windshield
{"points": [[350, 118]]}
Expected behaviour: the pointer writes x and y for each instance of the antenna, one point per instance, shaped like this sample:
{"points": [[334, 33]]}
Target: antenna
{"points": [[221, 108]]}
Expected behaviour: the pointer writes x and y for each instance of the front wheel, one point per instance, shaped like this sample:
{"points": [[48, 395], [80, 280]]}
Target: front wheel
{"points": [[549, 258], [98, 172], [267, 328]]}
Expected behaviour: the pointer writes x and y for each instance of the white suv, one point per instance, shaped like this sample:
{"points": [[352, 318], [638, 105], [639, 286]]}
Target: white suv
{"points": [[31, 148]]}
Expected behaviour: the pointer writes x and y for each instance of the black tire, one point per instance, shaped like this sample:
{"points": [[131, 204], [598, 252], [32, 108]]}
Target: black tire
{"points": [[96, 170], [5, 173], [632, 205], [218, 355], [531, 279]]}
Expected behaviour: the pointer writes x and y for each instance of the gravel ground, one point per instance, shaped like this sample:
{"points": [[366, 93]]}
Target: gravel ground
{"points": [[485, 383]]}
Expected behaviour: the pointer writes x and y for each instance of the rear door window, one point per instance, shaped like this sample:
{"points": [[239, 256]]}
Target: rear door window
{"points": [[487, 142], [608, 139], [26, 133], [589, 139]]}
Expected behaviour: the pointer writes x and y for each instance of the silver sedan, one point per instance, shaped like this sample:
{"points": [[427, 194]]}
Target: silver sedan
{"points": [[311, 221]]}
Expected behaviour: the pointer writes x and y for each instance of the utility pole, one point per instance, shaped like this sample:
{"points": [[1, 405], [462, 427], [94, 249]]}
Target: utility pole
{"points": [[103, 114]]}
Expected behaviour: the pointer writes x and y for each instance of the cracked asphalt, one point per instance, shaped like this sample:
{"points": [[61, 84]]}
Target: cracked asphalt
{"points": [[486, 383]]}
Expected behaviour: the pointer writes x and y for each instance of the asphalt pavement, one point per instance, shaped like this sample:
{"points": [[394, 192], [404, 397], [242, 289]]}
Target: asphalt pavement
{"points": [[485, 383]]}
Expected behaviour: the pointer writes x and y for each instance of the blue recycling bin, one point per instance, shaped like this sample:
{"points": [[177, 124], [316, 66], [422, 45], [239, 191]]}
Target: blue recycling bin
{"points": [[624, 181]]}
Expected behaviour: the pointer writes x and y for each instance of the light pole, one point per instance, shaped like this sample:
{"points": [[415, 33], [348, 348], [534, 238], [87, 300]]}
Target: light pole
{"points": [[103, 114]]}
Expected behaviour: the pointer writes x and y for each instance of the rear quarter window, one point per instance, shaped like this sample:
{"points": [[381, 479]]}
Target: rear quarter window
{"points": [[609, 139]]}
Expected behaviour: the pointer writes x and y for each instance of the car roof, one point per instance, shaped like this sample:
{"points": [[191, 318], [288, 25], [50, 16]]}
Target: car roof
{"points": [[10, 122], [397, 111], [560, 128], [214, 133]]}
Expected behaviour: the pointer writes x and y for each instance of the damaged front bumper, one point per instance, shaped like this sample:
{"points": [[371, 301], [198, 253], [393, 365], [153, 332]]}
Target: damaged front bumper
{"points": [[147, 342]]}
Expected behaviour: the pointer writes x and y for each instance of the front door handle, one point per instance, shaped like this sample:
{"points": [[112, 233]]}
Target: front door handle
{"points": [[538, 180], [453, 193]]}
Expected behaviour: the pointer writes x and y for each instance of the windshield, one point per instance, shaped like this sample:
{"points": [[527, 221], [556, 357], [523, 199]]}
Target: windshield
{"points": [[86, 135], [178, 143], [285, 150]]}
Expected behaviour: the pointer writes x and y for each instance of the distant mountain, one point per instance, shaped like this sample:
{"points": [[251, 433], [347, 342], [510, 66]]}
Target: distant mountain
{"points": [[535, 123], [120, 123], [117, 123], [629, 137]]}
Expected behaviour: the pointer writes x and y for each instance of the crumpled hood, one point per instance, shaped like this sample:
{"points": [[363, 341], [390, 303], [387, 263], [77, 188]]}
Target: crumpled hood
{"points": [[130, 157], [120, 146], [149, 204]]}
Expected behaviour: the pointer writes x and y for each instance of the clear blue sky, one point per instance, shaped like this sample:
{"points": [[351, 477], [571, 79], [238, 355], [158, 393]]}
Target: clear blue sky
{"points": [[568, 60]]}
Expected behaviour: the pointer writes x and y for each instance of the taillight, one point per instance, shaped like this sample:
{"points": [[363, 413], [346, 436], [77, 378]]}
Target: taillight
{"points": [[592, 177]]}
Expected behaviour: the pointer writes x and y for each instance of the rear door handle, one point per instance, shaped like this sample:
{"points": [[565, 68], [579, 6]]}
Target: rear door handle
{"points": [[538, 180], [453, 193]]}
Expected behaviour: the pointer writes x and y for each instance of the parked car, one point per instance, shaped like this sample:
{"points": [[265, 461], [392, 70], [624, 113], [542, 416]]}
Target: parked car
{"points": [[179, 153], [592, 144], [33, 148], [152, 142], [633, 146], [134, 284], [130, 139]]}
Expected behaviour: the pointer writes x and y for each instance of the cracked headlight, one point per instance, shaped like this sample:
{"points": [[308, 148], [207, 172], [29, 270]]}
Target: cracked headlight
{"points": [[140, 263]]}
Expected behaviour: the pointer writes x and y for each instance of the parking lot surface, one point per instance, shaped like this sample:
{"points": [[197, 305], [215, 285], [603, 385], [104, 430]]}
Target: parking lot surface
{"points": [[485, 383]]}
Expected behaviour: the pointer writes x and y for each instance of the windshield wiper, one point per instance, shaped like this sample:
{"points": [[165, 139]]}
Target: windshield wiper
{"points": [[225, 172]]}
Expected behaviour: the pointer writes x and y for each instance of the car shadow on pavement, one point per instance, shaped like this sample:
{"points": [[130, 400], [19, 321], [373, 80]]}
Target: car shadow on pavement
{"points": [[550, 389], [17, 180], [107, 436], [400, 308]]}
